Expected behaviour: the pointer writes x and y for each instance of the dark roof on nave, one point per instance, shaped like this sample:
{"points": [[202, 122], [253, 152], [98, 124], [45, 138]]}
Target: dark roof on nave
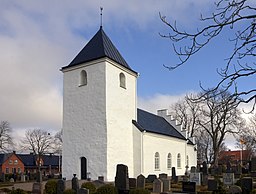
{"points": [[155, 124], [98, 47]]}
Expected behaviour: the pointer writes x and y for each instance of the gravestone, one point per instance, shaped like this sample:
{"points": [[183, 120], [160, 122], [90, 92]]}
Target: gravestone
{"points": [[166, 185], [122, 178], [189, 187], [174, 177], [234, 189], [212, 185], [151, 178], [204, 179], [195, 177], [132, 183], [37, 188], [162, 176], [39, 178], [101, 178], [228, 178], [246, 185], [253, 164], [193, 169], [75, 183], [3, 177], [141, 182], [157, 186], [11, 180], [61, 186], [229, 169], [22, 177], [83, 191], [205, 169]]}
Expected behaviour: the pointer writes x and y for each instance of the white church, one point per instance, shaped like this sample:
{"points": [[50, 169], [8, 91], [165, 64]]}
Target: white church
{"points": [[103, 127]]}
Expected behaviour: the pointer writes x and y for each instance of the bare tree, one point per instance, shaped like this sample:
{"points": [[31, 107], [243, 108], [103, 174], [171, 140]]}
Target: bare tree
{"points": [[58, 142], [5, 136], [186, 112], [238, 17], [219, 116], [38, 141]]}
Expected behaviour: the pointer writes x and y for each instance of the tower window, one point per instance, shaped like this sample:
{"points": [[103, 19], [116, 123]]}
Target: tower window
{"points": [[83, 78], [157, 161], [122, 80]]}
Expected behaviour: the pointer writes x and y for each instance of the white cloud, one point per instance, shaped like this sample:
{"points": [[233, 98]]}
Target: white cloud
{"points": [[158, 102]]}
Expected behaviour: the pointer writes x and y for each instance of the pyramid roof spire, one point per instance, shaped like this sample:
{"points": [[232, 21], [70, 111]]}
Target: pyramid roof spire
{"points": [[98, 47]]}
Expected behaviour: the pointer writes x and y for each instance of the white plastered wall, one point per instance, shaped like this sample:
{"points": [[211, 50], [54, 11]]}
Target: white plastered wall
{"points": [[84, 121], [120, 111]]}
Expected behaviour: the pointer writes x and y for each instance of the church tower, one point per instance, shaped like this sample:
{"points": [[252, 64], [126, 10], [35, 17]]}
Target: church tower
{"points": [[99, 104]]}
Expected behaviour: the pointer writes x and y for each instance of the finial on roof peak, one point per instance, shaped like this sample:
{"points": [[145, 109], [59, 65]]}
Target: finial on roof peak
{"points": [[101, 9]]}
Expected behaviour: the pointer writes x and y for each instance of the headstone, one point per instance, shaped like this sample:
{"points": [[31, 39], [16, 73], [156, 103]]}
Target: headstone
{"points": [[39, 178], [122, 178], [174, 177], [253, 164], [195, 177], [151, 178], [204, 179], [228, 178], [212, 185], [205, 169], [141, 182], [189, 187], [61, 186], [166, 185], [132, 183], [219, 169], [162, 176], [246, 185], [83, 191], [75, 183], [234, 189], [157, 186], [3, 177], [22, 177], [37, 188], [239, 169], [229, 169], [101, 178], [11, 180], [193, 169]]}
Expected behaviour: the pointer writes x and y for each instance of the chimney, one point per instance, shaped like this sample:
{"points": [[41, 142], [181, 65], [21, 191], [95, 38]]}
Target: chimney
{"points": [[162, 113], [14, 152]]}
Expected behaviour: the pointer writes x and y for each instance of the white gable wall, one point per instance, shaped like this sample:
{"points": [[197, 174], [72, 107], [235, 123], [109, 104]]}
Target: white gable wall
{"points": [[120, 111], [84, 121]]}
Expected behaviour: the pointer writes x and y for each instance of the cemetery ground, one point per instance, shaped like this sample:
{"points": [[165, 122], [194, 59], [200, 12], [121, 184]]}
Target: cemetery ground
{"points": [[222, 179]]}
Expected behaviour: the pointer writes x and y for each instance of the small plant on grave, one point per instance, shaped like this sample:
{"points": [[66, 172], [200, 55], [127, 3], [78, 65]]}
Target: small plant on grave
{"points": [[18, 191], [253, 191], [139, 191], [106, 189], [69, 191], [51, 187], [90, 186]]}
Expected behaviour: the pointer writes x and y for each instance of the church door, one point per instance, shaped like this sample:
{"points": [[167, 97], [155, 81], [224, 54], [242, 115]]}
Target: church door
{"points": [[83, 168]]}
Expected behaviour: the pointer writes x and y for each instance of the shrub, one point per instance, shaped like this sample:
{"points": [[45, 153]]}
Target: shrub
{"points": [[51, 187], [139, 191], [69, 191], [90, 186], [18, 191], [106, 189]]}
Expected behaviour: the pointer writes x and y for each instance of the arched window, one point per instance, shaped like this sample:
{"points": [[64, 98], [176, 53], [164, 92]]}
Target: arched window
{"points": [[83, 78], [178, 161], [169, 161], [187, 162], [157, 161], [122, 80]]}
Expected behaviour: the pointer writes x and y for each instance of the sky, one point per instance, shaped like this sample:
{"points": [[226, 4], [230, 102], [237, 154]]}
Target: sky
{"points": [[38, 37]]}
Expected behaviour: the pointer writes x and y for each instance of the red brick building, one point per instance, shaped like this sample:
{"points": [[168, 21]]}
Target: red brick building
{"points": [[11, 164], [234, 156]]}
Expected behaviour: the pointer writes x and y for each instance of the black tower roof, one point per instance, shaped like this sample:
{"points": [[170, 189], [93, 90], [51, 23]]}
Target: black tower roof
{"points": [[98, 47]]}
